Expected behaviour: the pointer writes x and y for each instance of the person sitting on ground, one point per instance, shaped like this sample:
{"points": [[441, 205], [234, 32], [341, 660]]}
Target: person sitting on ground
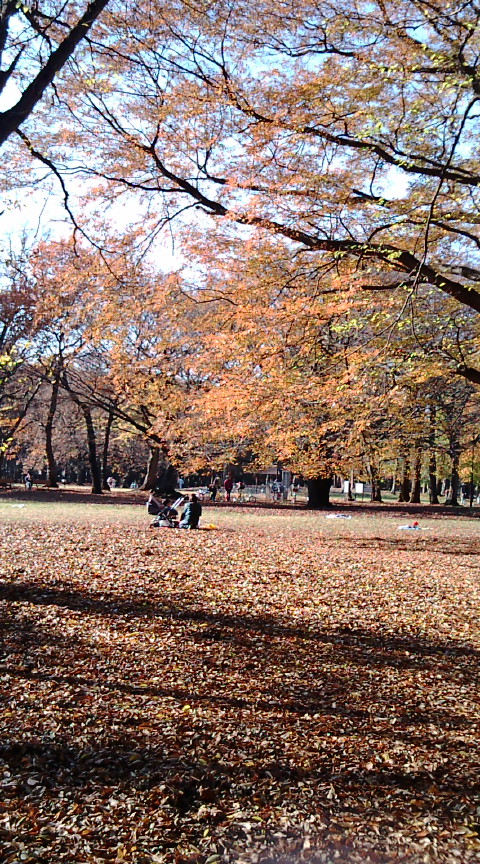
{"points": [[168, 516], [191, 513]]}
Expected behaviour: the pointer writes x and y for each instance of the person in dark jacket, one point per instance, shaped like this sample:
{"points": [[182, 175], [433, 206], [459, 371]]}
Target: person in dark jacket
{"points": [[191, 513], [228, 486]]}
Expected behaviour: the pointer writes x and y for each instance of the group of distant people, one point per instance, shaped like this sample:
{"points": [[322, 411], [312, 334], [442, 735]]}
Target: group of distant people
{"points": [[228, 485]]}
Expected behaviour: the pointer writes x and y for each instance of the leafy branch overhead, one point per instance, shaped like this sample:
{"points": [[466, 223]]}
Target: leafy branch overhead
{"points": [[309, 127]]}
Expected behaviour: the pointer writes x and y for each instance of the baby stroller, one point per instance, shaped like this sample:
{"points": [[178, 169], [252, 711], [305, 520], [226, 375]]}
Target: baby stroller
{"points": [[166, 515]]}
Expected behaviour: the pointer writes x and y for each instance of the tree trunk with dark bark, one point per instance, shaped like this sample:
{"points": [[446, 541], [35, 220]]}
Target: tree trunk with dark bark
{"points": [[106, 444], [394, 478], [52, 479], [319, 493], [417, 472], [167, 478], [405, 481], [150, 480], [92, 452], [376, 493], [93, 461], [432, 459], [351, 487], [455, 479]]}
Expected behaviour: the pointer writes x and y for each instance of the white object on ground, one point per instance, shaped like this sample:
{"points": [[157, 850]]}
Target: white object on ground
{"points": [[337, 516]]}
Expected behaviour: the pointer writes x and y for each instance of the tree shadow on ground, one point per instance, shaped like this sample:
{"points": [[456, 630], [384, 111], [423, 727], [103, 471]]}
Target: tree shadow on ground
{"points": [[260, 644], [286, 675], [398, 649], [432, 545], [57, 763]]}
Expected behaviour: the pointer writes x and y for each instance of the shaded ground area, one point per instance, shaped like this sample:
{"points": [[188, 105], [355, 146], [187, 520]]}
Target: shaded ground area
{"points": [[72, 495], [239, 695], [83, 495]]}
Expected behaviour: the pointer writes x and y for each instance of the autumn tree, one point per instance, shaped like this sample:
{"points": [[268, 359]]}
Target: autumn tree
{"points": [[17, 386], [106, 336], [456, 405], [347, 130], [267, 361], [273, 363]]}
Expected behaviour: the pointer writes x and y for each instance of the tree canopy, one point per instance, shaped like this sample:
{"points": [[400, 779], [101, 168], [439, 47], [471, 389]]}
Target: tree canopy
{"points": [[348, 130]]}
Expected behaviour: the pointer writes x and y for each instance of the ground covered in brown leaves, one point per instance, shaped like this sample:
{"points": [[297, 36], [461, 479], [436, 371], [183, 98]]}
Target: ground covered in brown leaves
{"points": [[306, 690]]}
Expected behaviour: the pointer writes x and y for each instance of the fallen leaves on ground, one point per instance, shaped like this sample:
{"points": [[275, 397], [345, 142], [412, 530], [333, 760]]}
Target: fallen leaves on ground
{"points": [[237, 695]]}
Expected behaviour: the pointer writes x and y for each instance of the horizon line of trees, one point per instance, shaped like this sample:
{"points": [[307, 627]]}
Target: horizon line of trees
{"points": [[94, 375]]}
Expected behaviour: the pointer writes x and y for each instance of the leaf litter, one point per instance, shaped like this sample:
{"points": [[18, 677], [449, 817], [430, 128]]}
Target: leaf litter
{"points": [[249, 695]]}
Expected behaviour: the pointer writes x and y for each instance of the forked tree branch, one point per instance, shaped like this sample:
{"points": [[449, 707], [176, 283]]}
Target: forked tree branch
{"points": [[11, 119]]}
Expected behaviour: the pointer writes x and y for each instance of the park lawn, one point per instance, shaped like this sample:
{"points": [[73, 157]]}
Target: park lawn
{"points": [[285, 685], [18, 512]]}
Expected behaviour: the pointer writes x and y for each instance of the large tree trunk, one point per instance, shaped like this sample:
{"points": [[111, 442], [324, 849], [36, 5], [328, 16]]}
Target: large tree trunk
{"points": [[93, 462], [394, 478], [432, 460], [319, 493], [417, 472], [455, 479], [405, 481], [106, 443], [376, 494], [150, 480], [92, 452], [52, 480], [351, 486], [167, 478]]}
